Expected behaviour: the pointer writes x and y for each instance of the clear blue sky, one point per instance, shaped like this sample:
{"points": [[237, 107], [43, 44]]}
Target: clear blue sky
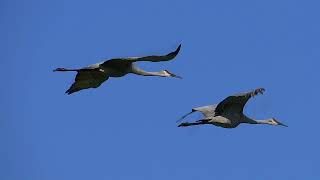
{"points": [[126, 128]]}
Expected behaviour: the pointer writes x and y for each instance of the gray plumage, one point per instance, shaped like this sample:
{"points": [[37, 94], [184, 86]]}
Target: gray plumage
{"points": [[94, 75], [229, 112]]}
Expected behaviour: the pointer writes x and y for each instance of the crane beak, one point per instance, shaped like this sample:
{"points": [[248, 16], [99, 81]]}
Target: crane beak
{"points": [[279, 123], [184, 124], [176, 76], [173, 75]]}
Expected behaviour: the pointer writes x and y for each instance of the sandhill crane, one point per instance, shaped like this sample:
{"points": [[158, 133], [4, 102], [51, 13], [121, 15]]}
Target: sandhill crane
{"points": [[229, 112], [94, 75]]}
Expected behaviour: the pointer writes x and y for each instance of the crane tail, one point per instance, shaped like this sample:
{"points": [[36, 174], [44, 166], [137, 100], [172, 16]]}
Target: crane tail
{"points": [[184, 116]]}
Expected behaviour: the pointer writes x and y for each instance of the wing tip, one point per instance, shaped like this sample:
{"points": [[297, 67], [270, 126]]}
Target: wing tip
{"points": [[174, 53], [178, 49], [70, 91]]}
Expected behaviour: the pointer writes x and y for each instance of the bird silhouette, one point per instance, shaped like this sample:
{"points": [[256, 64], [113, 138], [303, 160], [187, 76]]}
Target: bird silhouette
{"points": [[94, 75], [229, 112]]}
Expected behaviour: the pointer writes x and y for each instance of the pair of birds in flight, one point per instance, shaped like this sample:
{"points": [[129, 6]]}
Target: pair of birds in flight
{"points": [[227, 114]]}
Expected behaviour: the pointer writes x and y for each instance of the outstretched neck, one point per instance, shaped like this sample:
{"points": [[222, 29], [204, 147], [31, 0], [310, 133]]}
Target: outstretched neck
{"points": [[254, 121], [141, 72]]}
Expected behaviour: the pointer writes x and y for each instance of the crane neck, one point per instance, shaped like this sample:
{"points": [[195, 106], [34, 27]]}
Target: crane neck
{"points": [[142, 72], [255, 121]]}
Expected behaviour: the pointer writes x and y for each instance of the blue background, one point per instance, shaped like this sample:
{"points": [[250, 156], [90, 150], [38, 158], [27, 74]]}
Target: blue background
{"points": [[126, 128]]}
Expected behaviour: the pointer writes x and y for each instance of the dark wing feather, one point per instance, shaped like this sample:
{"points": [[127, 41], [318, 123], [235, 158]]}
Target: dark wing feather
{"points": [[85, 79], [234, 103], [166, 57], [118, 63], [231, 103]]}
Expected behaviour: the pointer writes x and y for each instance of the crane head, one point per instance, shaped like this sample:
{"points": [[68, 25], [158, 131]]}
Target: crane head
{"points": [[170, 74], [273, 121]]}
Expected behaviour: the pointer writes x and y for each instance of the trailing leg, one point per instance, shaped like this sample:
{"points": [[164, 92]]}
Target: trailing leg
{"points": [[199, 122]]}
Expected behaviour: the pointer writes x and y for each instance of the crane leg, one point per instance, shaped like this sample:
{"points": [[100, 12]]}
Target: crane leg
{"points": [[199, 122]]}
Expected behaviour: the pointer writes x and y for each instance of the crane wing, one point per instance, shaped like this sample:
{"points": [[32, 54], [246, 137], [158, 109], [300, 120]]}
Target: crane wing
{"points": [[207, 111], [87, 78], [236, 103], [166, 57]]}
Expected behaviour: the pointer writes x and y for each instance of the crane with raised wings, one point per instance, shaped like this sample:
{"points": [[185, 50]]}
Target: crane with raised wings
{"points": [[229, 112]]}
